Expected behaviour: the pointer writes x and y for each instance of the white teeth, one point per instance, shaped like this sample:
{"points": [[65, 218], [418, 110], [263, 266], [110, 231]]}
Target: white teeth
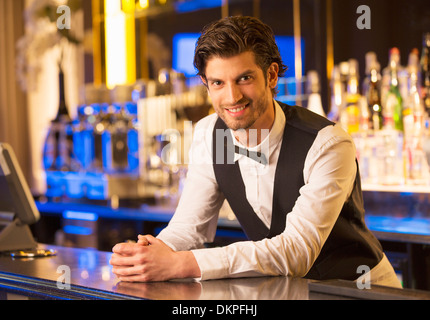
{"points": [[237, 109]]}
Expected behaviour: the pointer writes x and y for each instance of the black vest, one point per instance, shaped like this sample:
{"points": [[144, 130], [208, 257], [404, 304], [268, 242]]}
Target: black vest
{"points": [[350, 243]]}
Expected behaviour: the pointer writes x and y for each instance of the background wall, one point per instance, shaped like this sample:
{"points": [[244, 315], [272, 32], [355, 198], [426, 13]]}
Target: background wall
{"points": [[13, 102]]}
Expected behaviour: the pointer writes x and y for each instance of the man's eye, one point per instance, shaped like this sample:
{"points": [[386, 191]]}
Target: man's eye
{"points": [[216, 83], [245, 78]]}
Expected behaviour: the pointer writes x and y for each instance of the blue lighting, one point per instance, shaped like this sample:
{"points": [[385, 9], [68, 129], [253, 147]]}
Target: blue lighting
{"points": [[184, 46], [286, 49], [192, 5], [183, 53], [82, 231], [75, 215], [416, 226]]}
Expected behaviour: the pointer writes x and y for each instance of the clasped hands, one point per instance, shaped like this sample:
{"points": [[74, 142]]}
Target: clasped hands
{"points": [[150, 259]]}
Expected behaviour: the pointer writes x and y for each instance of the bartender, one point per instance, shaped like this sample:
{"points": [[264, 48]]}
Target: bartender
{"points": [[289, 175]]}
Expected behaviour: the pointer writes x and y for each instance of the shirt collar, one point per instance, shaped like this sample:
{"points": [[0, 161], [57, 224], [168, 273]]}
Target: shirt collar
{"points": [[273, 138]]}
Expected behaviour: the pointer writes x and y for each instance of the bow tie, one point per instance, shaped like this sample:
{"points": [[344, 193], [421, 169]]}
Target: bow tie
{"points": [[254, 155]]}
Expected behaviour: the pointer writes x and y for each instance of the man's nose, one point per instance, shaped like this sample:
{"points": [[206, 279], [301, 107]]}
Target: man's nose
{"points": [[233, 94]]}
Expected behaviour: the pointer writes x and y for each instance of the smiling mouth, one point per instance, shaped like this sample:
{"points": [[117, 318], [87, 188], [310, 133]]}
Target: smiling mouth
{"points": [[237, 110]]}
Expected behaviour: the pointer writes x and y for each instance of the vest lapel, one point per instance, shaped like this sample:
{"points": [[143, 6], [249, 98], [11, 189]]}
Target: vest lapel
{"points": [[230, 182], [288, 175]]}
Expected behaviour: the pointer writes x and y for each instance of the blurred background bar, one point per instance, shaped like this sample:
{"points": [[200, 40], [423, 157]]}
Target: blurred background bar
{"points": [[99, 100]]}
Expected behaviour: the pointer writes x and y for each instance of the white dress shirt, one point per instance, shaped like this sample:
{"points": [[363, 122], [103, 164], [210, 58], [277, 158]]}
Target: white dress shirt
{"points": [[329, 173]]}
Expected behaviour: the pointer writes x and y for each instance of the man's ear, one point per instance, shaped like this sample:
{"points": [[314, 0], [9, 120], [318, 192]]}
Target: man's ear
{"points": [[272, 75]]}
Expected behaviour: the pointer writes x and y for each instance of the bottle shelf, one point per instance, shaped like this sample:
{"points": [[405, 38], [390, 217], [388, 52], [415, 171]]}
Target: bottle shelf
{"points": [[396, 188]]}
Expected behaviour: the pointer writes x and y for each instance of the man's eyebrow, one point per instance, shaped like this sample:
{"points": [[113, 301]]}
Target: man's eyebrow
{"points": [[212, 79], [245, 73]]}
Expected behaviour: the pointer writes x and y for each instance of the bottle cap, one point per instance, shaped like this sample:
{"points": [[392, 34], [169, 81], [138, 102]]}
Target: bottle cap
{"points": [[394, 55], [372, 62], [353, 67], [394, 50], [426, 39], [312, 82], [413, 61]]}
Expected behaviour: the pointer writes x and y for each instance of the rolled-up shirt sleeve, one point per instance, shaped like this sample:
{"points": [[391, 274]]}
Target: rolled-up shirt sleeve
{"points": [[329, 175]]}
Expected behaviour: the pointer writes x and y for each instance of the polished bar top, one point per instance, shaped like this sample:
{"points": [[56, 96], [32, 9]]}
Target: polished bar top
{"points": [[86, 270], [89, 276]]}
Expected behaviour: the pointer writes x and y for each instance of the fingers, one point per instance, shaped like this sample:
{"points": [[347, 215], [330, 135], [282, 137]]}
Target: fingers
{"points": [[134, 268], [142, 240], [125, 248], [125, 271], [129, 254], [129, 248], [148, 240], [137, 262], [130, 273], [121, 261]]}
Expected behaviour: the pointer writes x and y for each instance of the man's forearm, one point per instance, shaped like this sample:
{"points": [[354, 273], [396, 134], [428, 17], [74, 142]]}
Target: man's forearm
{"points": [[187, 265]]}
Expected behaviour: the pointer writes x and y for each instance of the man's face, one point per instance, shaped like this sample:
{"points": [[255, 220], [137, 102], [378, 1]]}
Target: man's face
{"points": [[241, 92]]}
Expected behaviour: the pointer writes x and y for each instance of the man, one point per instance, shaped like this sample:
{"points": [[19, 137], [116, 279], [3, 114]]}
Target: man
{"points": [[293, 182]]}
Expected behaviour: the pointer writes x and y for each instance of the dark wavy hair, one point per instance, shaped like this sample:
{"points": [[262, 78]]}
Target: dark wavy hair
{"points": [[234, 35]]}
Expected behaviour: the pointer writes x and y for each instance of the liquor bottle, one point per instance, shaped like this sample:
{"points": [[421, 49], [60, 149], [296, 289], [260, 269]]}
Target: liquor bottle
{"points": [[425, 72], [119, 140], [415, 162], [132, 137], [99, 99], [83, 135], [408, 116], [337, 95], [164, 84], [371, 60], [313, 87], [117, 144], [99, 132], [58, 147], [371, 90], [113, 139], [425, 91], [363, 108], [412, 106], [426, 140], [393, 108], [352, 98]]}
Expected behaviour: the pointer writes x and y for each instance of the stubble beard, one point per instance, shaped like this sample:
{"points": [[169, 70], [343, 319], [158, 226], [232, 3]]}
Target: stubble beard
{"points": [[257, 109]]}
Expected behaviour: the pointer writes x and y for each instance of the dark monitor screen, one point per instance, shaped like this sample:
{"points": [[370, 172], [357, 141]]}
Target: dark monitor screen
{"points": [[16, 201]]}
